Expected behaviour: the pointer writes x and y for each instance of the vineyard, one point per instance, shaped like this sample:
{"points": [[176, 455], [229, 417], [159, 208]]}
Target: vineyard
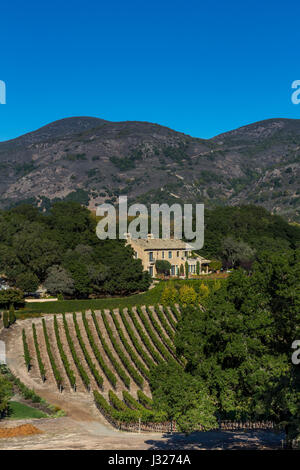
{"points": [[107, 354]]}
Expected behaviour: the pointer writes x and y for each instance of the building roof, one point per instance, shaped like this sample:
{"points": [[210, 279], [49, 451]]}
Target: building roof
{"points": [[199, 258], [160, 243]]}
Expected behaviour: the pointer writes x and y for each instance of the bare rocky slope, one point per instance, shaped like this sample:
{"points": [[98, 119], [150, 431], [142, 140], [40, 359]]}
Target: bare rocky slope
{"points": [[92, 160]]}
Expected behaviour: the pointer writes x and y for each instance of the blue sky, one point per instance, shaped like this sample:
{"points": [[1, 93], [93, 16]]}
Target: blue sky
{"points": [[198, 67]]}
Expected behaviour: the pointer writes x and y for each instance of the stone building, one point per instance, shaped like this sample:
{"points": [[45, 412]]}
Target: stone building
{"points": [[177, 252]]}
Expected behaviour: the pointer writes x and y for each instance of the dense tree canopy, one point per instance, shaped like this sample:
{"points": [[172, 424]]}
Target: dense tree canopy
{"points": [[239, 344], [61, 249], [245, 232]]}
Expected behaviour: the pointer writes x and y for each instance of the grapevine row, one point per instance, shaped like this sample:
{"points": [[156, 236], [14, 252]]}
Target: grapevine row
{"points": [[134, 411], [111, 413], [117, 411], [109, 374], [175, 311], [119, 369], [133, 403], [69, 371], [93, 369], [144, 371], [169, 317], [162, 318], [134, 374], [84, 376], [147, 359], [56, 372], [26, 351], [145, 338], [159, 346], [38, 354], [160, 332], [144, 400]]}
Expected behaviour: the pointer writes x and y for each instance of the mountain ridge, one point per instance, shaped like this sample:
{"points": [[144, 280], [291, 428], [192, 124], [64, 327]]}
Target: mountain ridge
{"points": [[93, 160]]}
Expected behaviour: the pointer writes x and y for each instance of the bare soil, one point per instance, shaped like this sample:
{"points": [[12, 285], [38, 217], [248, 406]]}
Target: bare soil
{"points": [[84, 427]]}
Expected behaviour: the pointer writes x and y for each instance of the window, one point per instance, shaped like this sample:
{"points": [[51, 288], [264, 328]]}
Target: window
{"points": [[170, 254], [163, 254], [150, 270], [177, 254], [173, 270], [151, 258]]}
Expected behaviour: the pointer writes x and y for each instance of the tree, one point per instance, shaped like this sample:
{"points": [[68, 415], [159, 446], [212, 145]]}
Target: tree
{"points": [[11, 297], [182, 397], [163, 267], [203, 292], [59, 281], [186, 265], [253, 225], [82, 283], [169, 295], [215, 265], [98, 273], [36, 248], [11, 315], [187, 295], [125, 273], [5, 319], [181, 270], [239, 345], [27, 282], [237, 252], [198, 268]]}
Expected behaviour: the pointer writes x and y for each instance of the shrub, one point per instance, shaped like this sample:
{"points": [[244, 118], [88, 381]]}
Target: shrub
{"points": [[169, 295], [11, 315], [5, 319], [187, 295]]}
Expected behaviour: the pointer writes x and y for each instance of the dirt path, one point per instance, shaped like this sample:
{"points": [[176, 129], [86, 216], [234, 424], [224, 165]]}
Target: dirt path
{"points": [[68, 434]]}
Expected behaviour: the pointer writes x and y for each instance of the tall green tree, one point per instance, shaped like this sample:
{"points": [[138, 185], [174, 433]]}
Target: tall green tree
{"points": [[183, 398], [240, 344]]}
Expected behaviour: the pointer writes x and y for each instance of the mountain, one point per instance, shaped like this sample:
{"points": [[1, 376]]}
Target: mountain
{"points": [[92, 160]]}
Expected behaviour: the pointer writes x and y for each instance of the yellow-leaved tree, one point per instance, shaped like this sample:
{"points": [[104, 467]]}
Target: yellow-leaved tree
{"points": [[187, 295]]}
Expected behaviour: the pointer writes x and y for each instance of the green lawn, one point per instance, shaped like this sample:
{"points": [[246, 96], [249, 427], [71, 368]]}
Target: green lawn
{"points": [[150, 297], [21, 411], [63, 306]]}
